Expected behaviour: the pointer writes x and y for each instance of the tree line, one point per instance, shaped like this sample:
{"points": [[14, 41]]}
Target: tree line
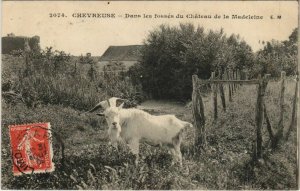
{"points": [[172, 54]]}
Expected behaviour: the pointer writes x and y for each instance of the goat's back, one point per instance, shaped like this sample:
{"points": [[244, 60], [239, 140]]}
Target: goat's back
{"points": [[141, 124]]}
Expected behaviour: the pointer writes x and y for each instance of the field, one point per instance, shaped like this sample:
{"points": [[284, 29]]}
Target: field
{"points": [[90, 163]]}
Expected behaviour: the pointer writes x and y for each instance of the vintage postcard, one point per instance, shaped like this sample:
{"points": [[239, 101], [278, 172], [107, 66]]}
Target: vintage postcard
{"points": [[149, 95]]}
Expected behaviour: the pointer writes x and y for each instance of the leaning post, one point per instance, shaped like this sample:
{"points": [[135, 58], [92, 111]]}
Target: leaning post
{"points": [[294, 110], [281, 106], [198, 114], [227, 77], [214, 96], [232, 78], [236, 78], [263, 82], [221, 89], [239, 77], [230, 85]]}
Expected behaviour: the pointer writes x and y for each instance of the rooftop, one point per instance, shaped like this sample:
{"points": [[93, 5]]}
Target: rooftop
{"points": [[122, 53]]}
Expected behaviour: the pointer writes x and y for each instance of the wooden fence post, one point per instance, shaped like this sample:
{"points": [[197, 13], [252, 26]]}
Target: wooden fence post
{"points": [[214, 96], [294, 111], [281, 106], [198, 114], [232, 85], [234, 78], [238, 77], [259, 115], [222, 94], [228, 77]]}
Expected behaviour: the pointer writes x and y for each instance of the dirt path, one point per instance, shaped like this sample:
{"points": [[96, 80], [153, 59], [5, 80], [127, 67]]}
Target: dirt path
{"points": [[163, 106]]}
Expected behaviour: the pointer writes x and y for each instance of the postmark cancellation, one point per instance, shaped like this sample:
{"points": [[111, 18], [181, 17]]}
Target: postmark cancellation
{"points": [[31, 148]]}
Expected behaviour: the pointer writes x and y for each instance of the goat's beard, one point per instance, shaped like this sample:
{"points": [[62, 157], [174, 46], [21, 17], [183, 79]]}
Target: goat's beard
{"points": [[114, 133]]}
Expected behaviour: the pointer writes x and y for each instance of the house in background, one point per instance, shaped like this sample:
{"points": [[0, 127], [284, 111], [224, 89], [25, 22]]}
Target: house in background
{"points": [[120, 56]]}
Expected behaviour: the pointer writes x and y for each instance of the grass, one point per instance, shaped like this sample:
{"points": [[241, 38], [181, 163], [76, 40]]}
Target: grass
{"points": [[90, 163], [234, 133], [40, 83]]}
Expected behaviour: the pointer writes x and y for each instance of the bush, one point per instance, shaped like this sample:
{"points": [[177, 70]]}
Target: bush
{"points": [[277, 56], [49, 78], [171, 55]]}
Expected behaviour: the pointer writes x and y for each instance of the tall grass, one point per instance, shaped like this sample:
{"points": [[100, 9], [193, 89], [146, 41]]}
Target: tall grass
{"points": [[51, 78], [91, 164]]}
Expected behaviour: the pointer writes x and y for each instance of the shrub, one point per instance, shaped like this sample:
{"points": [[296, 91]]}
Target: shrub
{"points": [[277, 56], [48, 77], [171, 55]]}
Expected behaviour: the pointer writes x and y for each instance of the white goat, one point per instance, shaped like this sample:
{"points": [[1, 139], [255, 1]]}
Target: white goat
{"points": [[133, 125]]}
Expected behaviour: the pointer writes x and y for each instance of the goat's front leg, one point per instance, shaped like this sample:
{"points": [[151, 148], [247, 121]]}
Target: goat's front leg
{"points": [[134, 148], [113, 144], [112, 134]]}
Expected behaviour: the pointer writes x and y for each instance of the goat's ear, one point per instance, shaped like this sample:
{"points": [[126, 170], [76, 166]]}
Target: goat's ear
{"points": [[121, 106], [100, 114], [120, 102]]}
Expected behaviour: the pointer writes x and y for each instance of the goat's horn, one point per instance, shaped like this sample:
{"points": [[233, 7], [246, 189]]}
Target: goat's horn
{"points": [[95, 108], [108, 102]]}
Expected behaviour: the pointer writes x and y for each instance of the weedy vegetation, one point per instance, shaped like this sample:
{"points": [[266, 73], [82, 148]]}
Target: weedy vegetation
{"points": [[52, 86], [89, 163]]}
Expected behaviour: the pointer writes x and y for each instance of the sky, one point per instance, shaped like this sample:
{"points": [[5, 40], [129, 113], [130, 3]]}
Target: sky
{"points": [[81, 35]]}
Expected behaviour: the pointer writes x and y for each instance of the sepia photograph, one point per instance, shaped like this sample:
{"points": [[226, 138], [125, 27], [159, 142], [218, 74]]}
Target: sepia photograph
{"points": [[149, 95]]}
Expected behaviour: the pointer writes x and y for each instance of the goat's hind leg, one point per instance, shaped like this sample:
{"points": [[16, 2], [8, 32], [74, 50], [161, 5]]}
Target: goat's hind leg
{"points": [[176, 141], [178, 154]]}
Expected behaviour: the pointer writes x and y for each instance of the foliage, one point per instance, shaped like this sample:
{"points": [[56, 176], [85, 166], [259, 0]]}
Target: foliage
{"points": [[48, 77], [277, 56], [86, 59], [11, 43], [172, 54], [92, 73], [233, 54], [51, 90], [114, 66]]}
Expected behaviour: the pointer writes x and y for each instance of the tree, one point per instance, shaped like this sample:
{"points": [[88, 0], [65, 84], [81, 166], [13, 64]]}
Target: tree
{"points": [[172, 54], [277, 56], [92, 73]]}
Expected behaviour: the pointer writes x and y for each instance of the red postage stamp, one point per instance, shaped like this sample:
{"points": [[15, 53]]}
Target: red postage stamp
{"points": [[31, 146]]}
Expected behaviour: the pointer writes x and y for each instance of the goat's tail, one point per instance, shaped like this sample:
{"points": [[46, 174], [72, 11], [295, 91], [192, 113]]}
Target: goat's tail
{"points": [[188, 125]]}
